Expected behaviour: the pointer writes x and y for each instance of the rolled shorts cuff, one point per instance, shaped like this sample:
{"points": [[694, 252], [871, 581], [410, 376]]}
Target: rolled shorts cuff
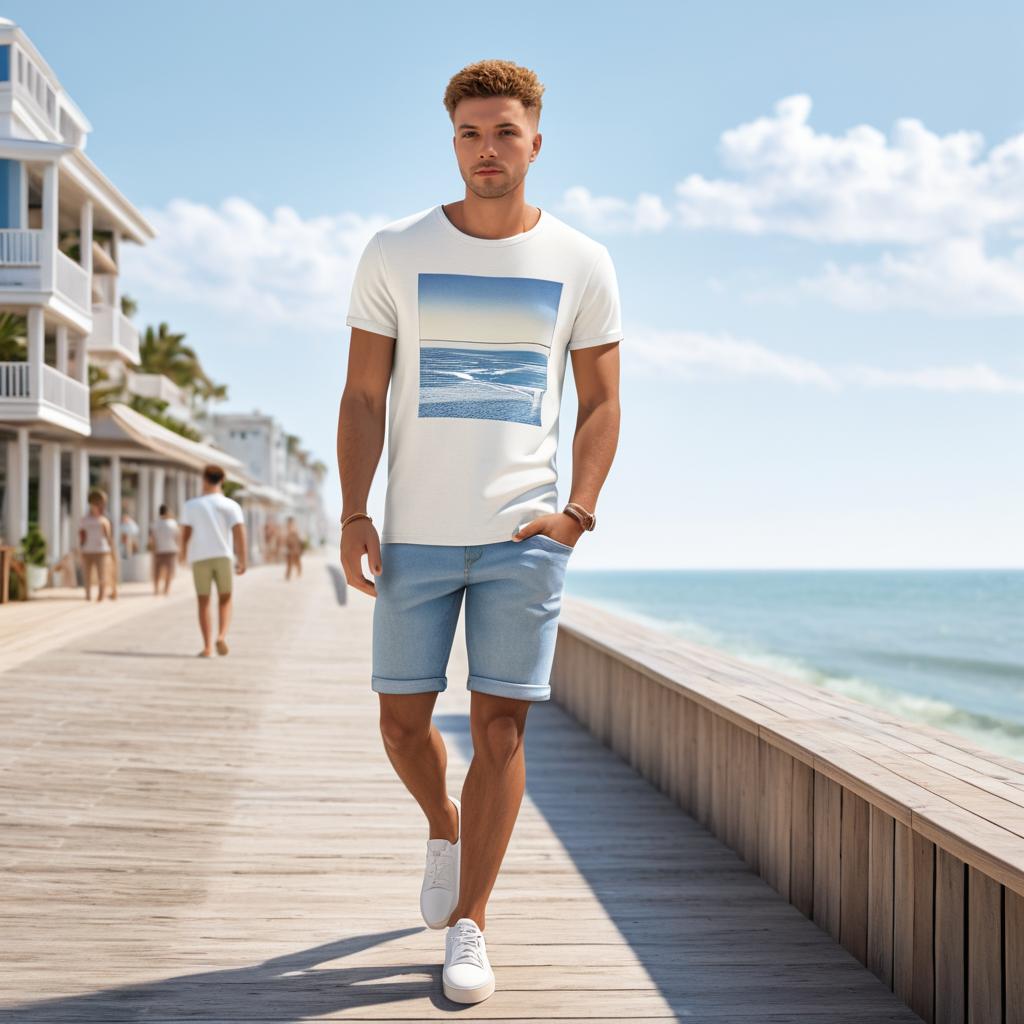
{"points": [[428, 684], [503, 688]]}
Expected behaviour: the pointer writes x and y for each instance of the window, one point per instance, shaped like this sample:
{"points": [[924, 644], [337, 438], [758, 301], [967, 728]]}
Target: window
{"points": [[5, 62]]}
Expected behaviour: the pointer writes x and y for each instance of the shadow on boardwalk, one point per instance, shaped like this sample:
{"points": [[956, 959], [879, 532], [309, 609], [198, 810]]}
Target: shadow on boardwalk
{"points": [[716, 940], [286, 988]]}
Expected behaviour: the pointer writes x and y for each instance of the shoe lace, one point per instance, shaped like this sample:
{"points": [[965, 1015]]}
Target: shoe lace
{"points": [[467, 946], [439, 869]]}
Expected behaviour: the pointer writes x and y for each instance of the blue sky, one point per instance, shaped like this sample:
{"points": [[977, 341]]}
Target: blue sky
{"points": [[816, 215]]}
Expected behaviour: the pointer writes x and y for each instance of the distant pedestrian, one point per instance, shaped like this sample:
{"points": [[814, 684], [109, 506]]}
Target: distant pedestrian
{"points": [[165, 540], [97, 547], [292, 549], [129, 534], [213, 531]]}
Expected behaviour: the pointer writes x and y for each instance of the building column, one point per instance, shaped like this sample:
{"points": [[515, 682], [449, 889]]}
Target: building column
{"points": [[49, 499], [114, 505], [159, 489], [181, 496], [144, 510], [62, 348], [115, 284], [48, 255], [36, 350], [82, 359], [85, 239], [79, 486], [21, 487]]}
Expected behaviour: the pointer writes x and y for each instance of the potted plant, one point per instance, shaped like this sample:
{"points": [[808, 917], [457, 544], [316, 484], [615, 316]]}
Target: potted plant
{"points": [[33, 551]]}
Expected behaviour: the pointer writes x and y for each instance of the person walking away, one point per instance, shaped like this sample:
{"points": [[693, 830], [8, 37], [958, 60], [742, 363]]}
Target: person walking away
{"points": [[212, 537], [129, 534], [470, 312], [165, 542], [96, 545], [292, 549]]}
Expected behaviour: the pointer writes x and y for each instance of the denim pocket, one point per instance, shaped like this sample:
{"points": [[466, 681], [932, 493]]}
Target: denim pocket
{"points": [[557, 544]]}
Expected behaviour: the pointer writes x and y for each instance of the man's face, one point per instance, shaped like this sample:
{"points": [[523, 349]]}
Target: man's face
{"points": [[494, 132]]}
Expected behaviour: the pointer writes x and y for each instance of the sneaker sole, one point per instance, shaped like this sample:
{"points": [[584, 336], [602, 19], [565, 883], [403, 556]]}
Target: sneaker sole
{"points": [[469, 995]]}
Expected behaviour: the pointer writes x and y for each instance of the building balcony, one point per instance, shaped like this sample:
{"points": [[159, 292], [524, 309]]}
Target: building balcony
{"points": [[24, 275], [42, 394], [113, 334]]}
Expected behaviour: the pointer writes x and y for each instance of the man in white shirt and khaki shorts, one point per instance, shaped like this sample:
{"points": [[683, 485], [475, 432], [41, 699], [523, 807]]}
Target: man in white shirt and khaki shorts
{"points": [[212, 538]]}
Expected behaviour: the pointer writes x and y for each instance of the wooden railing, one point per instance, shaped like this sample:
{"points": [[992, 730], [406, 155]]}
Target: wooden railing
{"points": [[19, 247], [903, 841]]}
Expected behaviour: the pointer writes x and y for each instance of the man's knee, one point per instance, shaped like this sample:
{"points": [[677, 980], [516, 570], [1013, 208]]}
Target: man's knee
{"points": [[402, 733], [501, 738]]}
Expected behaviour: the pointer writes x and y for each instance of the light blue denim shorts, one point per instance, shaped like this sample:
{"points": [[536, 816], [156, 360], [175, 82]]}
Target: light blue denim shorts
{"points": [[513, 593]]}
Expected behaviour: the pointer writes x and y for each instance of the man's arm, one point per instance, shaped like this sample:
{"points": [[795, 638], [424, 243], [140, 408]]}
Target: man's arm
{"points": [[595, 371], [186, 533], [361, 424], [241, 550]]}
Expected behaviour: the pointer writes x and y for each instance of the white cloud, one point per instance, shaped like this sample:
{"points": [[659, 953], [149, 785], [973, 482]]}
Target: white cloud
{"points": [[951, 277], [277, 269], [607, 214], [695, 354], [941, 197], [689, 353]]}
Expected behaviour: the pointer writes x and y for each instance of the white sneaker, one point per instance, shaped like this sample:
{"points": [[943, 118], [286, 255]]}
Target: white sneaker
{"points": [[440, 890], [467, 974]]}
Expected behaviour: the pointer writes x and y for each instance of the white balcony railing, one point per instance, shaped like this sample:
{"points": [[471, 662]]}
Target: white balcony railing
{"points": [[113, 332], [19, 247], [64, 392], [73, 282], [14, 382], [53, 398]]}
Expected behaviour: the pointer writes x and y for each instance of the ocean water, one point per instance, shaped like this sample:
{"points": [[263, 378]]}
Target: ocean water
{"points": [[944, 647]]}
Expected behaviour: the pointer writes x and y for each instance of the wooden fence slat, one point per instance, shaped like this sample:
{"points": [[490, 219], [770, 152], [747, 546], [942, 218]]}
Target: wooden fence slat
{"points": [[881, 866], [950, 954], [853, 875], [903, 913], [801, 872], [827, 821], [984, 949], [1013, 939], [923, 998]]}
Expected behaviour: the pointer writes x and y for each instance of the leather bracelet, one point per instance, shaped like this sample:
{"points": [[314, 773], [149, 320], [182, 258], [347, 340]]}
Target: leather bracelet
{"points": [[585, 518], [355, 515]]}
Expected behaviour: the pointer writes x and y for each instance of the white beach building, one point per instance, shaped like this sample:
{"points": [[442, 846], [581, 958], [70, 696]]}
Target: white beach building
{"points": [[287, 481], [62, 228]]}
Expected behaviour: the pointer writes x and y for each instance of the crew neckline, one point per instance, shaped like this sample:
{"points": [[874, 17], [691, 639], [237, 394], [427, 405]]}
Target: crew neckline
{"points": [[522, 236]]}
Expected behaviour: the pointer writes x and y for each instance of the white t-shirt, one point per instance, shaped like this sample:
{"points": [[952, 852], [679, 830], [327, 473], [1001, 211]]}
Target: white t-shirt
{"points": [[165, 535], [212, 518], [482, 329]]}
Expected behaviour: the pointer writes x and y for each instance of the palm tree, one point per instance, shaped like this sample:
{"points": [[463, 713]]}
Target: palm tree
{"points": [[13, 338], [164, 352]]}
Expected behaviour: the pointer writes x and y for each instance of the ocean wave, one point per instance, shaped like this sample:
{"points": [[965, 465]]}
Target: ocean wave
{"points": [[986, 731]]}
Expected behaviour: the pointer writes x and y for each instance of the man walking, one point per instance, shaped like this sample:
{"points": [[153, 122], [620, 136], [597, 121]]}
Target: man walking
{"points": [[212, 536], [469, 312]]}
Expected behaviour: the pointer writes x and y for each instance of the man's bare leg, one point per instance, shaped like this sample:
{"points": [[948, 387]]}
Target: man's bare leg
{"points": [[223, 615], [416, 750], [491, 797], [204, 622]]}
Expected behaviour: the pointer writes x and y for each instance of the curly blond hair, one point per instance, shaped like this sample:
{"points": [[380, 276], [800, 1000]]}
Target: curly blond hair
{"points": [[495, 78]]}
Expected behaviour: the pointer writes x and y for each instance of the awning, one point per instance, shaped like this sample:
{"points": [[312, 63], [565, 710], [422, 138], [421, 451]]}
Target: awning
{"points": [[119, 422], [264, 492]]}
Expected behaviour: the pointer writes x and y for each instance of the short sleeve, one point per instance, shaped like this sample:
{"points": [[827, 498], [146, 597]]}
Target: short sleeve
{"points": [[371, 305], [599, 317], [237, 516]]}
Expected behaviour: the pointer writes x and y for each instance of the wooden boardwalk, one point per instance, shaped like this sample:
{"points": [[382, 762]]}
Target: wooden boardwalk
{"points": [[226, 841]]}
